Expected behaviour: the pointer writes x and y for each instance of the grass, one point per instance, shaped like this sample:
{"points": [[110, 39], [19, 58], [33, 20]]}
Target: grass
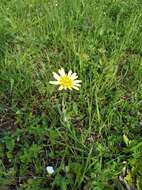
{"points": [[99, 147]]}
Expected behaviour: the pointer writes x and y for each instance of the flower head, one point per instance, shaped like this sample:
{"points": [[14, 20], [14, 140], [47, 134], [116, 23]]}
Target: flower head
{"points": [[50, 169], [66, 81]]}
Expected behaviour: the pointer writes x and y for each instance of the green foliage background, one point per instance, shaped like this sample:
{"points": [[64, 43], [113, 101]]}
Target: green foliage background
{"points": [[101, 138]]}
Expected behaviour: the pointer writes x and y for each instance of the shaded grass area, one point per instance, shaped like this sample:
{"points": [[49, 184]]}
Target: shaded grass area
{"points": [[101, 139]]}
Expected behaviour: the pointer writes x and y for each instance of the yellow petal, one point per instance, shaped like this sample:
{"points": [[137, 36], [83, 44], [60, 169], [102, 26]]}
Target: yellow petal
{"points": [[77, 84], [54, 82], [74, 76], [77, 81], [61, 87], [76, 88], [69, 73], [56, 76], [61, 72]]}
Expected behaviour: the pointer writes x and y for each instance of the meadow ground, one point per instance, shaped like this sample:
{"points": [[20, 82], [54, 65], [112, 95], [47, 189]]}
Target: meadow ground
{"points": [[96, 142]]}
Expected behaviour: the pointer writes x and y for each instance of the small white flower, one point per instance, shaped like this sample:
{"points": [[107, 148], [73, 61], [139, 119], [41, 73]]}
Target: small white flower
{"points": [[50, 169]]}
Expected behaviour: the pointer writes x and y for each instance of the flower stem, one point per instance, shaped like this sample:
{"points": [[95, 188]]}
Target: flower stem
{"points": [[63, 104]]}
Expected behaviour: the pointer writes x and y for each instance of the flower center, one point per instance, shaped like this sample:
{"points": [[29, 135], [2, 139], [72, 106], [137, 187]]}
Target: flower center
{"points": [[66, 81]]}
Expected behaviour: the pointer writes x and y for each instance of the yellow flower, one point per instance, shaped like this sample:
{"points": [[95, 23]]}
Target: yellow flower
{"points": [[66, 81]]}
